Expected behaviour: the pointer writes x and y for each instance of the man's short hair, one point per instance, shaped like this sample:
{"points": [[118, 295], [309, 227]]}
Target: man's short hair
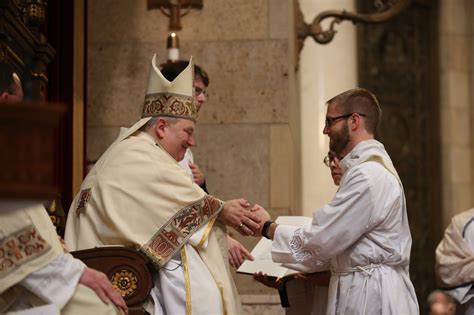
{"points": [[434, 296], [153, 120], [171, 70], [360, 101], [6, 78]]}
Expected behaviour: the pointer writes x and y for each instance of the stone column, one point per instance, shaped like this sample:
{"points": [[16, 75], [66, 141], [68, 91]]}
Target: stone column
{"points": [[325, 71], [455, 44]]}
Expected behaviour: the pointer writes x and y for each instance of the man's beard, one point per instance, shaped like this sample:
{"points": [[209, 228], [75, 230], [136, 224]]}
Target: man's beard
{"points": [[339, 140]]}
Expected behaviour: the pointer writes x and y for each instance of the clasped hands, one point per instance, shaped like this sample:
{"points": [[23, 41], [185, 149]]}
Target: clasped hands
{"points": [[244, 218]]}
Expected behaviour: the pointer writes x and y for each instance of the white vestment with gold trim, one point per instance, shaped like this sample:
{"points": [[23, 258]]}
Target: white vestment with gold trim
{"points": [[137, 195], [34, 270]]}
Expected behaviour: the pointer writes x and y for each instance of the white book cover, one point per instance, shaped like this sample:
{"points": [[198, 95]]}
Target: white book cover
{"points": [[262, 252]]}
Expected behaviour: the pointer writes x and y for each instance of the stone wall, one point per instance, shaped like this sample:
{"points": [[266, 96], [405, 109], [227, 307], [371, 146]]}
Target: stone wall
{"points": [[457, 123], [243, 134]]}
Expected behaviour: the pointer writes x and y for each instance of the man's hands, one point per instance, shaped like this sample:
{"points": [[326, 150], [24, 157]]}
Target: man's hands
{"points": [[237, 252], [317, 278], [247, 221], [198, 175], [263, 216], [267, 281], [237, 215], [99, 282]]}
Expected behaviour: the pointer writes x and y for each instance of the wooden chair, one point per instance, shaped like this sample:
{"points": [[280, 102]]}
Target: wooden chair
{"points": [[127, 269]]}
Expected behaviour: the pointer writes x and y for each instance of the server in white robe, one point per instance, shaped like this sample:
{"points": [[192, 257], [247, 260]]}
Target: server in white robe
{"points": [[137, 195], [37, 276], [364, 229], [455, 260]]}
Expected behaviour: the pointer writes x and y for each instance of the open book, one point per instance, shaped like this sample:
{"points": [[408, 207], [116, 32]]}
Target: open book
{"points": [[262, 253]]}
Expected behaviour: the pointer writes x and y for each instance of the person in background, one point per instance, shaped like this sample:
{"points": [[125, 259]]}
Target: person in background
{"points": [[454, 266], [441, 303]]}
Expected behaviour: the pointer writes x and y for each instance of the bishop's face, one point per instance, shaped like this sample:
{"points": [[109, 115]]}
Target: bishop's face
{"points": [[337, 129], [178, 137]]}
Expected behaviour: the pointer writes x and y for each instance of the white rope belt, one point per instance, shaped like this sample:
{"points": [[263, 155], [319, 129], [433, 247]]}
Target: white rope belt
{"points": [[365, 270]]}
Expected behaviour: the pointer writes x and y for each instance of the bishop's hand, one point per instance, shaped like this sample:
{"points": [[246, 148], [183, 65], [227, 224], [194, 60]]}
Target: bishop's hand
{"points": [[99, 282], [236, 213]]}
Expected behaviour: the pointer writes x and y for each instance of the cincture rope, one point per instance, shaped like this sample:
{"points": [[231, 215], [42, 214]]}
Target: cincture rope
{"points": [[366, 270]]}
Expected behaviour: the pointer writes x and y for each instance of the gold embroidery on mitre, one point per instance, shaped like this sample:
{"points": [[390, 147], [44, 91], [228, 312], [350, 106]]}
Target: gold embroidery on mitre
{"points": [[169, 104], [20, 247]]}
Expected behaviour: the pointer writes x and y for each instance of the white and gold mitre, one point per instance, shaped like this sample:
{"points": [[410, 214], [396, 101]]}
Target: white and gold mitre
{"points": [[173, 99], [165, 98]]}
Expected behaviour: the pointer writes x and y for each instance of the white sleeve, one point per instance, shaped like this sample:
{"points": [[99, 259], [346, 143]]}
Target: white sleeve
{"points": [[468, 233], [184, 163], [335, 227], [57, 281], [465, 293]]}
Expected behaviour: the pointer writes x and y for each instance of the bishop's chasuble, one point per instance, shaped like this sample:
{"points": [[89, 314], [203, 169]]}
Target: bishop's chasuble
{"points": [[137, 195]]}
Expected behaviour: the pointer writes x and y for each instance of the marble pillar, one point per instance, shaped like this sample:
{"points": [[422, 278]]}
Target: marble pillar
{"points": [[456, 31], [325, 71]]}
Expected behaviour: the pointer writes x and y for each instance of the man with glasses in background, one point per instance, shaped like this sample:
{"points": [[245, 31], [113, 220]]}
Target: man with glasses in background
{"points": [[364, 229]]}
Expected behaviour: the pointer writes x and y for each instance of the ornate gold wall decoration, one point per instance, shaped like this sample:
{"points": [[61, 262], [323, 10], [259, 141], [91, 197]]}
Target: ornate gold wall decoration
{"points": [[384, 11], [34, 12]]}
